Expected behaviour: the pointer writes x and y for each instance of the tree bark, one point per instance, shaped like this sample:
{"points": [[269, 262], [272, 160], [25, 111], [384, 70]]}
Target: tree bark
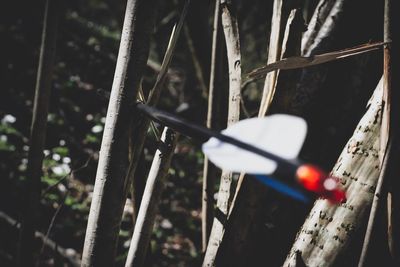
{"points": [[38, 134], [329, 229], [231, 32], [111, 179], [238, 238], [274, 54]]}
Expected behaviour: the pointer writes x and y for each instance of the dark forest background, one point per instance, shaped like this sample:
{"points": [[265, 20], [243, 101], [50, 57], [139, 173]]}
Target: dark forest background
{"points": [[87, 47]]}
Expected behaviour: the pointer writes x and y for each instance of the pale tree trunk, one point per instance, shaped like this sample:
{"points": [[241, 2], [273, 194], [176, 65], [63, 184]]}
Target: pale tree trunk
{"points": [[231, 32], [38, 133], [249, 197], [209, 170], [111, 179], [328, 229], [274, 54], [151, 198], [385, 141]]}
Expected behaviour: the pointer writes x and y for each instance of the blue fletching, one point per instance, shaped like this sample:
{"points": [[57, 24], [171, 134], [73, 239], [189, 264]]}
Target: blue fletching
{"points": [[282, 188]]}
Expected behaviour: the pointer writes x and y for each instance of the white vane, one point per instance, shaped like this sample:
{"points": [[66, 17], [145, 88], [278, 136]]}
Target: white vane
{"points": [[279, 134]]}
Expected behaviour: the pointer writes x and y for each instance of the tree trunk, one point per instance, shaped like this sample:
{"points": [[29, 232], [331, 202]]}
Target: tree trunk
{"points": [[151, 198], [111, 179], [250, 196], [329, 229], [38, 134], [231, 32]]}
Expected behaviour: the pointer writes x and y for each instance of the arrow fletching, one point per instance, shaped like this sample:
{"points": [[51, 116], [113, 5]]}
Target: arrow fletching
{"points": [[279, 134]]}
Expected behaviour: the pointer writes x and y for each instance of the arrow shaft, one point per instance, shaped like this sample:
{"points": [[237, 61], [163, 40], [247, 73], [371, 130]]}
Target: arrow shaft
{"points": [[193, 130]]}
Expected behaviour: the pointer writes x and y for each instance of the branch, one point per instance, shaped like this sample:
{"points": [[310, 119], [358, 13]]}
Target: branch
{"points": [[304, 62], [207, 211], [68, 254], [151, 198]]}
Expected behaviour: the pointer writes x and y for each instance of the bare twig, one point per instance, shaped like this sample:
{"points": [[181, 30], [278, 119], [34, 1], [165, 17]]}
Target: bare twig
{"points": [[68, 254], [53, 219], [196, 62], [50, 187], [376, 205], [208, 175]]}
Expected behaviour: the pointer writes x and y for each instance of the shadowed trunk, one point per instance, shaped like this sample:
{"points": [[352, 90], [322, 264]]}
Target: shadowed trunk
{"points": [[38, 134]]}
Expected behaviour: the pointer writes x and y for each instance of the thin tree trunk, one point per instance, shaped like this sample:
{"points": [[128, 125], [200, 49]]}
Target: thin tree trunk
{"points": [[274, 54], [231, 32], [385, 138], [141, 123], [249, 195], [392, 64], [111, 179], [37, 140], [322, 24], [209, 170], [318, 37], [329, 228], [151, 198]]}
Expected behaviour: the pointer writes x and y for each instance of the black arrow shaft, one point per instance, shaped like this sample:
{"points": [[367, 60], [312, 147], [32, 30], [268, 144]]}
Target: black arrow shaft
{"points": [[196, 131]]}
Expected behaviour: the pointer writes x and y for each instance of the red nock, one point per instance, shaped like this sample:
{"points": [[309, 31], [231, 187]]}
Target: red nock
{"points": [[316, 180]]}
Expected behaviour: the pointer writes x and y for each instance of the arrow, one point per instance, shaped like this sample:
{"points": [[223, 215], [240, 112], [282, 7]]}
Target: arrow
{"points": [[260, 146]]}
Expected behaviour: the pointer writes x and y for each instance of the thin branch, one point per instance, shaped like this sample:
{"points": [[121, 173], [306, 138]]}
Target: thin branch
{"points": [[53, 219], [196, 63], [141, 124], [50, 187], [376, 205], [151, 198], [303, 62], [208, 175], [68, 254]]}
